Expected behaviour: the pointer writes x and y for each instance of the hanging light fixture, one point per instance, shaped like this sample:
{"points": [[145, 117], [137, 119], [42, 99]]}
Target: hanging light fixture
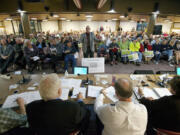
{"points": [[112, 10]]}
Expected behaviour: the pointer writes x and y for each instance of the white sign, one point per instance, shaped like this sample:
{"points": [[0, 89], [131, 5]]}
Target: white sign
{"points": [[95, 65]]}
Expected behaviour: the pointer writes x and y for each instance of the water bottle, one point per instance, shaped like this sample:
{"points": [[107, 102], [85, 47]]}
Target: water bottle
{"points": [[66, 73]]}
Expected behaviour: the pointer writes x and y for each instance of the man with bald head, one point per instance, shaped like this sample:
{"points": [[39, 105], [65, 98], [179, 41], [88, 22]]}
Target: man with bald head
{"points": [[87, 40], [53, 116], [125, 117]]}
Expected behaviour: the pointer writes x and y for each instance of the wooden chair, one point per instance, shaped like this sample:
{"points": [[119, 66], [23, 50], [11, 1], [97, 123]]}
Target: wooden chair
{"points": [[166, 132]]}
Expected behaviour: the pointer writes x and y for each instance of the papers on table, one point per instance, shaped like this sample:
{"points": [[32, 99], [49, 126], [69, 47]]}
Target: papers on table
{"points": [[31, 88], [70, 83], [13, 86], [110, 93], [35, 58], [163, 76], [17, 72], [93, 91], [27, 96], [137, 77], [76, 91], [35, 84], [147, 92], [155, 93], [161, 92], [65, 94]]}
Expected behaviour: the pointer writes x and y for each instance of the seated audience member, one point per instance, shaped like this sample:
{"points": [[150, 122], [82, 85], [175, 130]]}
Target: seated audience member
{"points": [[10, 120], [177, 52], [56, 53], [19, 55], [134, 47], [69, 51], [157, 51], [31, 55], [124, 45], [164, 113], [166, 49], [40, 45], [53, 116], [6, 56], [102, 50], [145, 46], [113, 52], [125, 117]]}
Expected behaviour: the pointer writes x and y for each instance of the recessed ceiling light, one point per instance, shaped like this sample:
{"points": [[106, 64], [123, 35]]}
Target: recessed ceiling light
{"points": [[33, 18], [122, 16], [114, 19], [8, 19], [111, 11], [89, 16], [63, 18], [55, 15]]}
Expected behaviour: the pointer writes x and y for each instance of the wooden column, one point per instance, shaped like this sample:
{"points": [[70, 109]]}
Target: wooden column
{"points": [[25, 24], [151, 24], [117, 24], [59, 26]]}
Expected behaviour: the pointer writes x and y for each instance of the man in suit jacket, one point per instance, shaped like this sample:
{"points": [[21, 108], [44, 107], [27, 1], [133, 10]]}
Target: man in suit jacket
{"points": [[53, 116], [164, 113], [87, 40]]}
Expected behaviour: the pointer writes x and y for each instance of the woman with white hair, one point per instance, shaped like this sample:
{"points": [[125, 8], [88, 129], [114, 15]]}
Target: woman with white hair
{"points": [[30, 53], [53, 116]]}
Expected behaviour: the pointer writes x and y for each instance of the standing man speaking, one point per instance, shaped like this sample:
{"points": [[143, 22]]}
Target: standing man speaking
{"points": [[87, 40]]}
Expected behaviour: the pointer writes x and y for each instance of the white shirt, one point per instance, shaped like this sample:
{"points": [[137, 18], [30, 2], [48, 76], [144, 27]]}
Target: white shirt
{"points": [[125, 118]]}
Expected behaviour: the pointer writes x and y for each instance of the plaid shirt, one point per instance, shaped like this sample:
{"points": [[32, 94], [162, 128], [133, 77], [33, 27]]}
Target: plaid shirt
{"points": [[9, 119]]}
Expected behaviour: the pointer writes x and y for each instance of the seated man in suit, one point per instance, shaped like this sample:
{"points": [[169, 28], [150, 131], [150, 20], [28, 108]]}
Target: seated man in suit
{"points": [[6, 56], [125, 117], [164, 113], [53, 116]]}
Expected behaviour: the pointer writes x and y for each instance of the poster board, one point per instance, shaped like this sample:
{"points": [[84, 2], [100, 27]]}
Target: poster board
{"points": [[95, 65]]}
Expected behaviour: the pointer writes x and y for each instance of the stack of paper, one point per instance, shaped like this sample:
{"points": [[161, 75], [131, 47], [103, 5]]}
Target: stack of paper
{"points": [[13, 86], [64, 94], [93, 91], [17, 72], [76, 91], [35, 58], [110, 93], [27, 96], [147, 92], [162, 92]]}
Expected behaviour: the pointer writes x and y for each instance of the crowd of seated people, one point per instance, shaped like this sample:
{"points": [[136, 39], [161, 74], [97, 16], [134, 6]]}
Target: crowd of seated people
{"points": [[115, 47], [51, 115]]}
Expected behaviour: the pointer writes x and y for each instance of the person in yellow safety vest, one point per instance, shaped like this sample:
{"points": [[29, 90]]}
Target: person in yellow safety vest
{"points": [[134, 47]]}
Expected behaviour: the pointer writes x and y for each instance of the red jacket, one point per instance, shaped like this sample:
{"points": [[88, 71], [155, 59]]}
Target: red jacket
{"points": [[149, 48]]}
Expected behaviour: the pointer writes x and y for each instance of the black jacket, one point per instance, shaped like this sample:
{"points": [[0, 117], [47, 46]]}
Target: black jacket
{"points": [[55, 117], [164, 113]]}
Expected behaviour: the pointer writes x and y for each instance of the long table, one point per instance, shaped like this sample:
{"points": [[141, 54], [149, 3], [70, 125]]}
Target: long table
{"points": [[96, 78]]}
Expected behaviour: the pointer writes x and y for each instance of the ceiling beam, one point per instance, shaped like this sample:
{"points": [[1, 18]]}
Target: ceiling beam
{"points": [[78, 4], [101, 4]]}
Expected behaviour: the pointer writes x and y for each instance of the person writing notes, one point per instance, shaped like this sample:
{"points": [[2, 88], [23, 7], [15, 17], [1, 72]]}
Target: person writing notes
{"points": [[164, 113], [125, 117], [53, 116]]}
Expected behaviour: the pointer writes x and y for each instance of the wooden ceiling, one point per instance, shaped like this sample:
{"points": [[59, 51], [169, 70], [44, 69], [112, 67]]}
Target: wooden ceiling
{"points": [[141, 9]]}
